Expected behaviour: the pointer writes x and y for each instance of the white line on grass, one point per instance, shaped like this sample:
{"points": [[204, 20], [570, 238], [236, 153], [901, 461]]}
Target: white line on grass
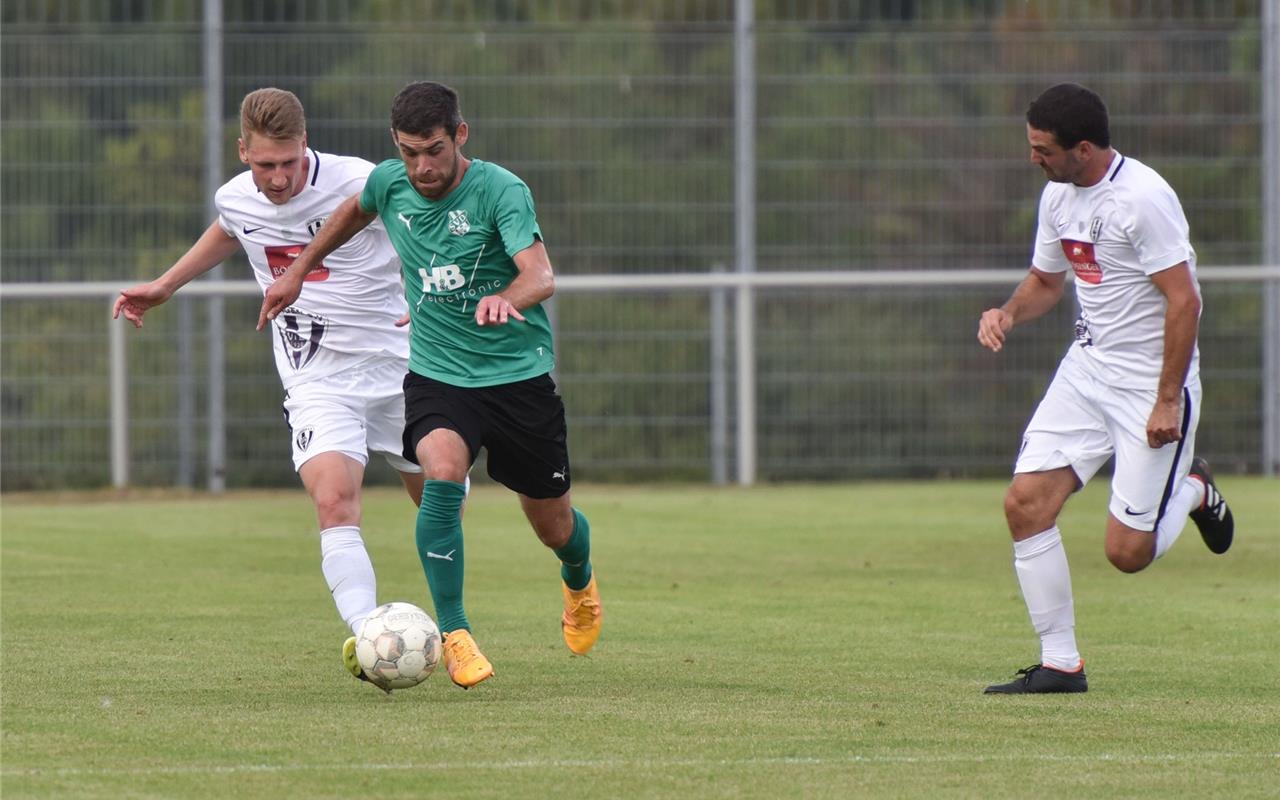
{"points": [[651, 763]]}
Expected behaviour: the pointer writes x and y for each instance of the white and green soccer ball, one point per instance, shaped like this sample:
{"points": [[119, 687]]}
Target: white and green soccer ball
{"points": [[398, 646]]}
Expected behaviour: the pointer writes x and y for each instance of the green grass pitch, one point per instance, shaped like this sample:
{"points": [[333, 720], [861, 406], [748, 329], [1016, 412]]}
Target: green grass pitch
{"points": [[778, 642]]}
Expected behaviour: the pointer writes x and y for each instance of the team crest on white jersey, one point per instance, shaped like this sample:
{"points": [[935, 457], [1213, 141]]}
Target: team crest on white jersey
{"points": [[301, 335], [458, 223], [313, 225], [303, 439], [1095, 228]]}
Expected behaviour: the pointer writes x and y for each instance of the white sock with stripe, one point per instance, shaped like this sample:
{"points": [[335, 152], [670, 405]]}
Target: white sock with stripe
{"points": [[349, 573], [1187, 498], [1041, 565]]}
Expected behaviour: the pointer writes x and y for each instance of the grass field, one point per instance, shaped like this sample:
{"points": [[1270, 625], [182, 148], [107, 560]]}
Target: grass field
{"points": [[781, 642]]}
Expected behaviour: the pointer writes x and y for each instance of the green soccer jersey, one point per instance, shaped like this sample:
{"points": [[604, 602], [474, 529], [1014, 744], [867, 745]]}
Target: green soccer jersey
{"points": [[453, 252]]}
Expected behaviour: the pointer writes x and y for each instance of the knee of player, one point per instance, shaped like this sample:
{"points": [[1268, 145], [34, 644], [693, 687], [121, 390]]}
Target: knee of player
{"points": [[454, 473], [1130, 557], [1022, 510], [336, 506]]}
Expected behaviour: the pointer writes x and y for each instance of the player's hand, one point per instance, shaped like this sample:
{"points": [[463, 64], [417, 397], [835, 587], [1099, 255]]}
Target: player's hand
{"points": [[400, 323], [992, 327], [495, 309], [1164, 424], [279, 296], [134, 301]]}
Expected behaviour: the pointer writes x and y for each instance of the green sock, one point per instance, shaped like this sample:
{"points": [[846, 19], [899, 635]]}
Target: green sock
{"points": [[575, 556], [439, 538]]}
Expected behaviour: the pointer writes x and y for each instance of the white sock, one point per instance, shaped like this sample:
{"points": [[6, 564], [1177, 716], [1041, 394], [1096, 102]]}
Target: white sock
{"points": [[349, 573], [1188, 497], [1041, 565]]}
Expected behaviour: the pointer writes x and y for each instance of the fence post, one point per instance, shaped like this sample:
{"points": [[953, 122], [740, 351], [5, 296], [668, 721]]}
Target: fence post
{"points": [[744, 204], [719, 357], [1270, 239], [216, 347], [118, 370]]}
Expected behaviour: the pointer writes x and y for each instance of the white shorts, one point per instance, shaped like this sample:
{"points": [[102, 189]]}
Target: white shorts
{"points": [[1081, 422], [355, 412]]}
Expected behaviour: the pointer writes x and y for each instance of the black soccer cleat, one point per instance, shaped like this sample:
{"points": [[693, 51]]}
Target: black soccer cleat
{"points": [[1039, 679], [1213, 517]]}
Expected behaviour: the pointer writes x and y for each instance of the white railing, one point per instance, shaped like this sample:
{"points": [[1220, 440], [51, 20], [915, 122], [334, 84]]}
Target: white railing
{"points": [[743, 284]]}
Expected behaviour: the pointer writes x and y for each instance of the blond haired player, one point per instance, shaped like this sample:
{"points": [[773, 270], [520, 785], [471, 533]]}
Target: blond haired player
{"points": [[340, 353]]}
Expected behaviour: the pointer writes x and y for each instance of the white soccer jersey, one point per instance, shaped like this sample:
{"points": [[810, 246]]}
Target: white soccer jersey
{"points": [[349, 305], [1115, 235]]}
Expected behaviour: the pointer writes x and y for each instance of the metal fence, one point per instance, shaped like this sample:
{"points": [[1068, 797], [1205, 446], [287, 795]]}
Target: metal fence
{"points": [[885, 136]]}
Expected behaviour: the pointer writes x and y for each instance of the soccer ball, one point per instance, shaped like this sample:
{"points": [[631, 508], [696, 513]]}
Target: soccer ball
{"points": [[398, 646]]}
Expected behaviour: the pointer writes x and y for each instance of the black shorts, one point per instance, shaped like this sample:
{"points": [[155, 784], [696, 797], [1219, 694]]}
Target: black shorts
{"points": [[520, 424]]}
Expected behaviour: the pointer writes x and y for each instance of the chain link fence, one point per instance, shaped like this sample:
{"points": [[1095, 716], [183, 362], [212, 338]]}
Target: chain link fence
{"points": [[889, 136]]}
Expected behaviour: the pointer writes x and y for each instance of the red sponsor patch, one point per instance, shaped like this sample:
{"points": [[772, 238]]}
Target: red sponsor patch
{"points": [[1080, 254], [279, 257]]}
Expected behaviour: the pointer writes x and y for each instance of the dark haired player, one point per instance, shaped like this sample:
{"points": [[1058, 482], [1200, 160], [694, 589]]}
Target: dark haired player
{"points": [[475, 272], [1129, 384]]}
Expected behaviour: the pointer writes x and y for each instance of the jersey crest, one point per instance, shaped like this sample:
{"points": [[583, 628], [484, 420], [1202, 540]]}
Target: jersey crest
{"points": [[458, 223], [301, 335]]}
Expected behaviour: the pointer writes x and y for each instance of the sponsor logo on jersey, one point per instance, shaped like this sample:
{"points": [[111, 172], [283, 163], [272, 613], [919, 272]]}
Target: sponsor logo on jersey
{"points": [[1083, 261], [441, 279], [458, 223], [247, 230], [301, 334], [279, 257]]}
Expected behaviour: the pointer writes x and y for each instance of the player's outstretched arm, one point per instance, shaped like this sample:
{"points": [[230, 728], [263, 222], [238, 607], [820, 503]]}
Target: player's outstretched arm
{"points": [[1038, 292], [535, 283], [346, 221], [212, 248]]}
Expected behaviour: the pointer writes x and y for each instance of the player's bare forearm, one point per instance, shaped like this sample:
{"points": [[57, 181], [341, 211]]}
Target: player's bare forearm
{"points": [[1038, 292], [346, 221], [1181, 327], [534, 283], [212, 248]]}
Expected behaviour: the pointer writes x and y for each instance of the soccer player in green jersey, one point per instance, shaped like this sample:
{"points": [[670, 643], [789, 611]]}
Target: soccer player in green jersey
{"points": [[475, 272]]}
